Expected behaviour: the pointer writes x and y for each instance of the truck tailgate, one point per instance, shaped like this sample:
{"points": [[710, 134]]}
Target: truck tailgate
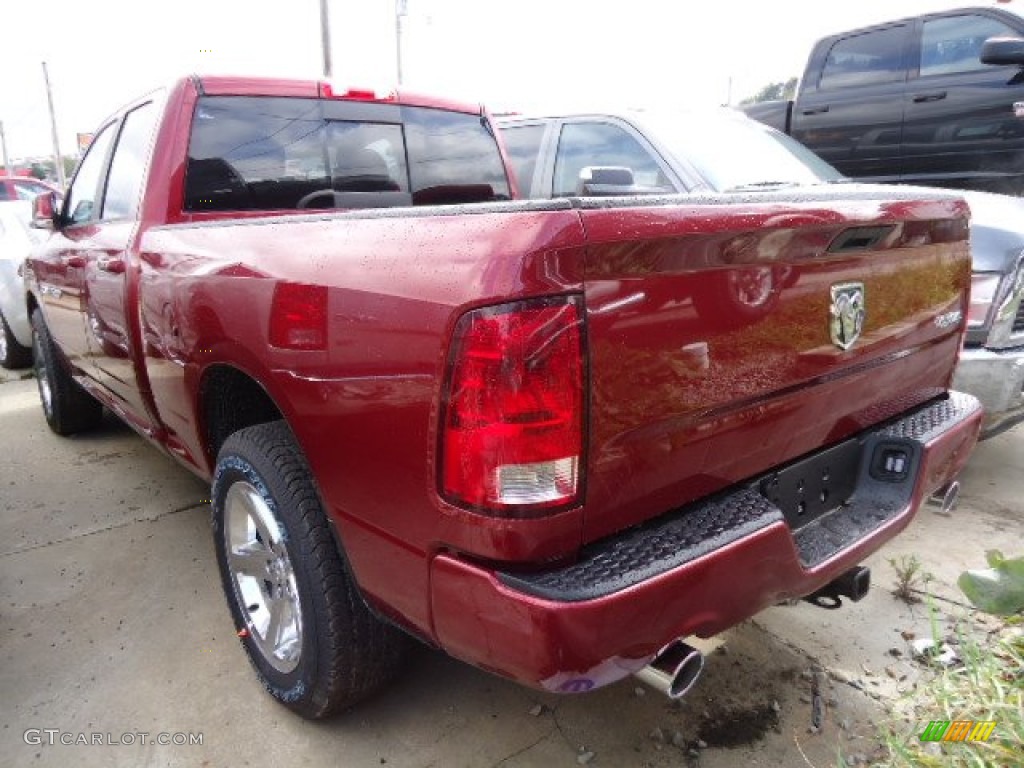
{"points": [[729, 336]]}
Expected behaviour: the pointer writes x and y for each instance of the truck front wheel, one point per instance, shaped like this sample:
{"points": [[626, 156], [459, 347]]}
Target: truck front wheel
{"points": [[67, 407], [315, 645]]}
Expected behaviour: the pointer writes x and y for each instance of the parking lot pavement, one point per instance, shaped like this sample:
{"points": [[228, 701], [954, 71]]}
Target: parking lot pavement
{"points": [[112, 624]]}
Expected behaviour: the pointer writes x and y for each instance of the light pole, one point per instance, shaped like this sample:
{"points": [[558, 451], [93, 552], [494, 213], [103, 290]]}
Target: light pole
{"points": [[58, 161], [400, 12], [325, 37], [3, 140]]}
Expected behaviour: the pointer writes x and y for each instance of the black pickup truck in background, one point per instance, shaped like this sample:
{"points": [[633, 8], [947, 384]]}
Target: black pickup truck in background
{"points": [[936, 99]]}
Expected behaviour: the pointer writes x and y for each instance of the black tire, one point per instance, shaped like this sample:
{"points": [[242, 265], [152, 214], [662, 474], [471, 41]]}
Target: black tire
{"points": [[12, 354], [67, 407], [328, 651]]}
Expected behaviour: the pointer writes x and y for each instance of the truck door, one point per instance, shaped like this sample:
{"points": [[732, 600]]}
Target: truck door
{"points": [[59, 265], [853, 115], [960, 128], [111, 274]]}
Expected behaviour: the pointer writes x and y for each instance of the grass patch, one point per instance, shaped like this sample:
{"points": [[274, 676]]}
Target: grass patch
{"points": [[988, 685]]}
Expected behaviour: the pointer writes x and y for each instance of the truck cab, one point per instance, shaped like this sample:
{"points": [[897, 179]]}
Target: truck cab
{"points": [[931, 99]]}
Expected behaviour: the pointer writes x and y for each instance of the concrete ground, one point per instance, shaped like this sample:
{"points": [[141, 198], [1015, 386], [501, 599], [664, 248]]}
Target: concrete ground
{"points": [[112, 623]]}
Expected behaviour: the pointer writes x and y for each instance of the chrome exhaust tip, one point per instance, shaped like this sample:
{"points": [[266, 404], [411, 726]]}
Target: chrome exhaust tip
{"points": [[946, 498], [674, 671]]}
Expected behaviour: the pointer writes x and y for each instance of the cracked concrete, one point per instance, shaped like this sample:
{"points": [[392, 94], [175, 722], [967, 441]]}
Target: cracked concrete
{"points": [[112, 622]]}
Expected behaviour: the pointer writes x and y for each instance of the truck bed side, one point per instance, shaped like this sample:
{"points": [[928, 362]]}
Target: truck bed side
{"points": [[682, 404]]}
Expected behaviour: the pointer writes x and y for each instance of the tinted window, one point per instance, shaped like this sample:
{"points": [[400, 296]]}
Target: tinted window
{"points": [[874, 57], [80, 205], [522, 142], [602, 144], [124, 183], [954, 44], [278, 153], [366, 157], [26, 190], [453, 158], [255, 154]]}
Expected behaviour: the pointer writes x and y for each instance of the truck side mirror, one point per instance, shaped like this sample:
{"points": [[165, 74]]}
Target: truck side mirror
{"points": [[605, 181], [1002, 51], [44, 211]]}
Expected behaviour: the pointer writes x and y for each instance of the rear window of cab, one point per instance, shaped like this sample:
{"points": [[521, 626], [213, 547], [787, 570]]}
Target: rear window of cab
{"points": [[264, 153]]}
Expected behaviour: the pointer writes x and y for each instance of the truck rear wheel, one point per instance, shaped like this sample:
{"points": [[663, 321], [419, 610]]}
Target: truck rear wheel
{"points": [[315, 645], [67, 407]]}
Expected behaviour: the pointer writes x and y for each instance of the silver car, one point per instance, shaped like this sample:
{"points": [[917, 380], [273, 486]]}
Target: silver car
{"points": [[992, 362]]}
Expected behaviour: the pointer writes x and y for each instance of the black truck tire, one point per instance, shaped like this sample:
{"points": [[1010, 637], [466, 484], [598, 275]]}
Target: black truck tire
{"points": [[67, 407], [325, 650]]}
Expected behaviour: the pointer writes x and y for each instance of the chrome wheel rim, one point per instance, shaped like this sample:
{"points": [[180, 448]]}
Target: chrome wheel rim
{"points": [[262, 577], [43, 379]]}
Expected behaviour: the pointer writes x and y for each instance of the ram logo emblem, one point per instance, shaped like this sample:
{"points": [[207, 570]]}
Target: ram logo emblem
{"points": [[847, 314]]}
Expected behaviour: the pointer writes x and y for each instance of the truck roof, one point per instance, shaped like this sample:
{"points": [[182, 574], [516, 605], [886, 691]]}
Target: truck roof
{"points": [[1002, 11]]}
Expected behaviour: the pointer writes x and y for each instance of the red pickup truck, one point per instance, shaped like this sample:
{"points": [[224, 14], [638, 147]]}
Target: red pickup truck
{"points": [[445, 413]]}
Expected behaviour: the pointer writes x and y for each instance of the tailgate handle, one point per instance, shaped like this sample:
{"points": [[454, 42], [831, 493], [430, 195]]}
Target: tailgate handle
{"points": [[923, 97], [858, 239]]}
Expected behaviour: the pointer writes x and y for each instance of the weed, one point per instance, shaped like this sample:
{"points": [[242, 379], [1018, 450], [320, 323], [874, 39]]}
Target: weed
{"points": [[908, 576]]}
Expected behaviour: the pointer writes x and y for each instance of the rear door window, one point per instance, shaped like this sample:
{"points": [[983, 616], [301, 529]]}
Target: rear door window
{"points": [[867, 59], [255, 153]]}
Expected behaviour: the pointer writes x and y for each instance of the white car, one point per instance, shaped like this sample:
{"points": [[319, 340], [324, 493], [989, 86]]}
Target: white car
{"points": [[16, 240]]}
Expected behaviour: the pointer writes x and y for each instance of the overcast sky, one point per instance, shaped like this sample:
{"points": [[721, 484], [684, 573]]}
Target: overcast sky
{"points": [[510, 54]]}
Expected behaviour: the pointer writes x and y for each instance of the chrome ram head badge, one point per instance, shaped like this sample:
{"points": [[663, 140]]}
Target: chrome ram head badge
{"points": [[847, 314]]}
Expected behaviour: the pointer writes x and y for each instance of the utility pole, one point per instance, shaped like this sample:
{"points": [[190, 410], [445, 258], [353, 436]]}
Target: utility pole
{"points": [[3, 140], [58, 160], [325, 37], [400, 12]]}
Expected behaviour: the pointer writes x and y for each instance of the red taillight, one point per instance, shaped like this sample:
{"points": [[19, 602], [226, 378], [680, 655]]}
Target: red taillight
{"points": [[298, 316], [512, 440]]}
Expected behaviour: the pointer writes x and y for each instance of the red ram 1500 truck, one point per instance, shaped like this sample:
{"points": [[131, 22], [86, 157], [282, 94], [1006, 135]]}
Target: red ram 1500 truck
{"points": [[503, 427]]}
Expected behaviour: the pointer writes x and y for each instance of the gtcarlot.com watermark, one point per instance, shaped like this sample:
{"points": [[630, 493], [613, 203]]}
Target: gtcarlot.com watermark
{"points": [[52, 736]]}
